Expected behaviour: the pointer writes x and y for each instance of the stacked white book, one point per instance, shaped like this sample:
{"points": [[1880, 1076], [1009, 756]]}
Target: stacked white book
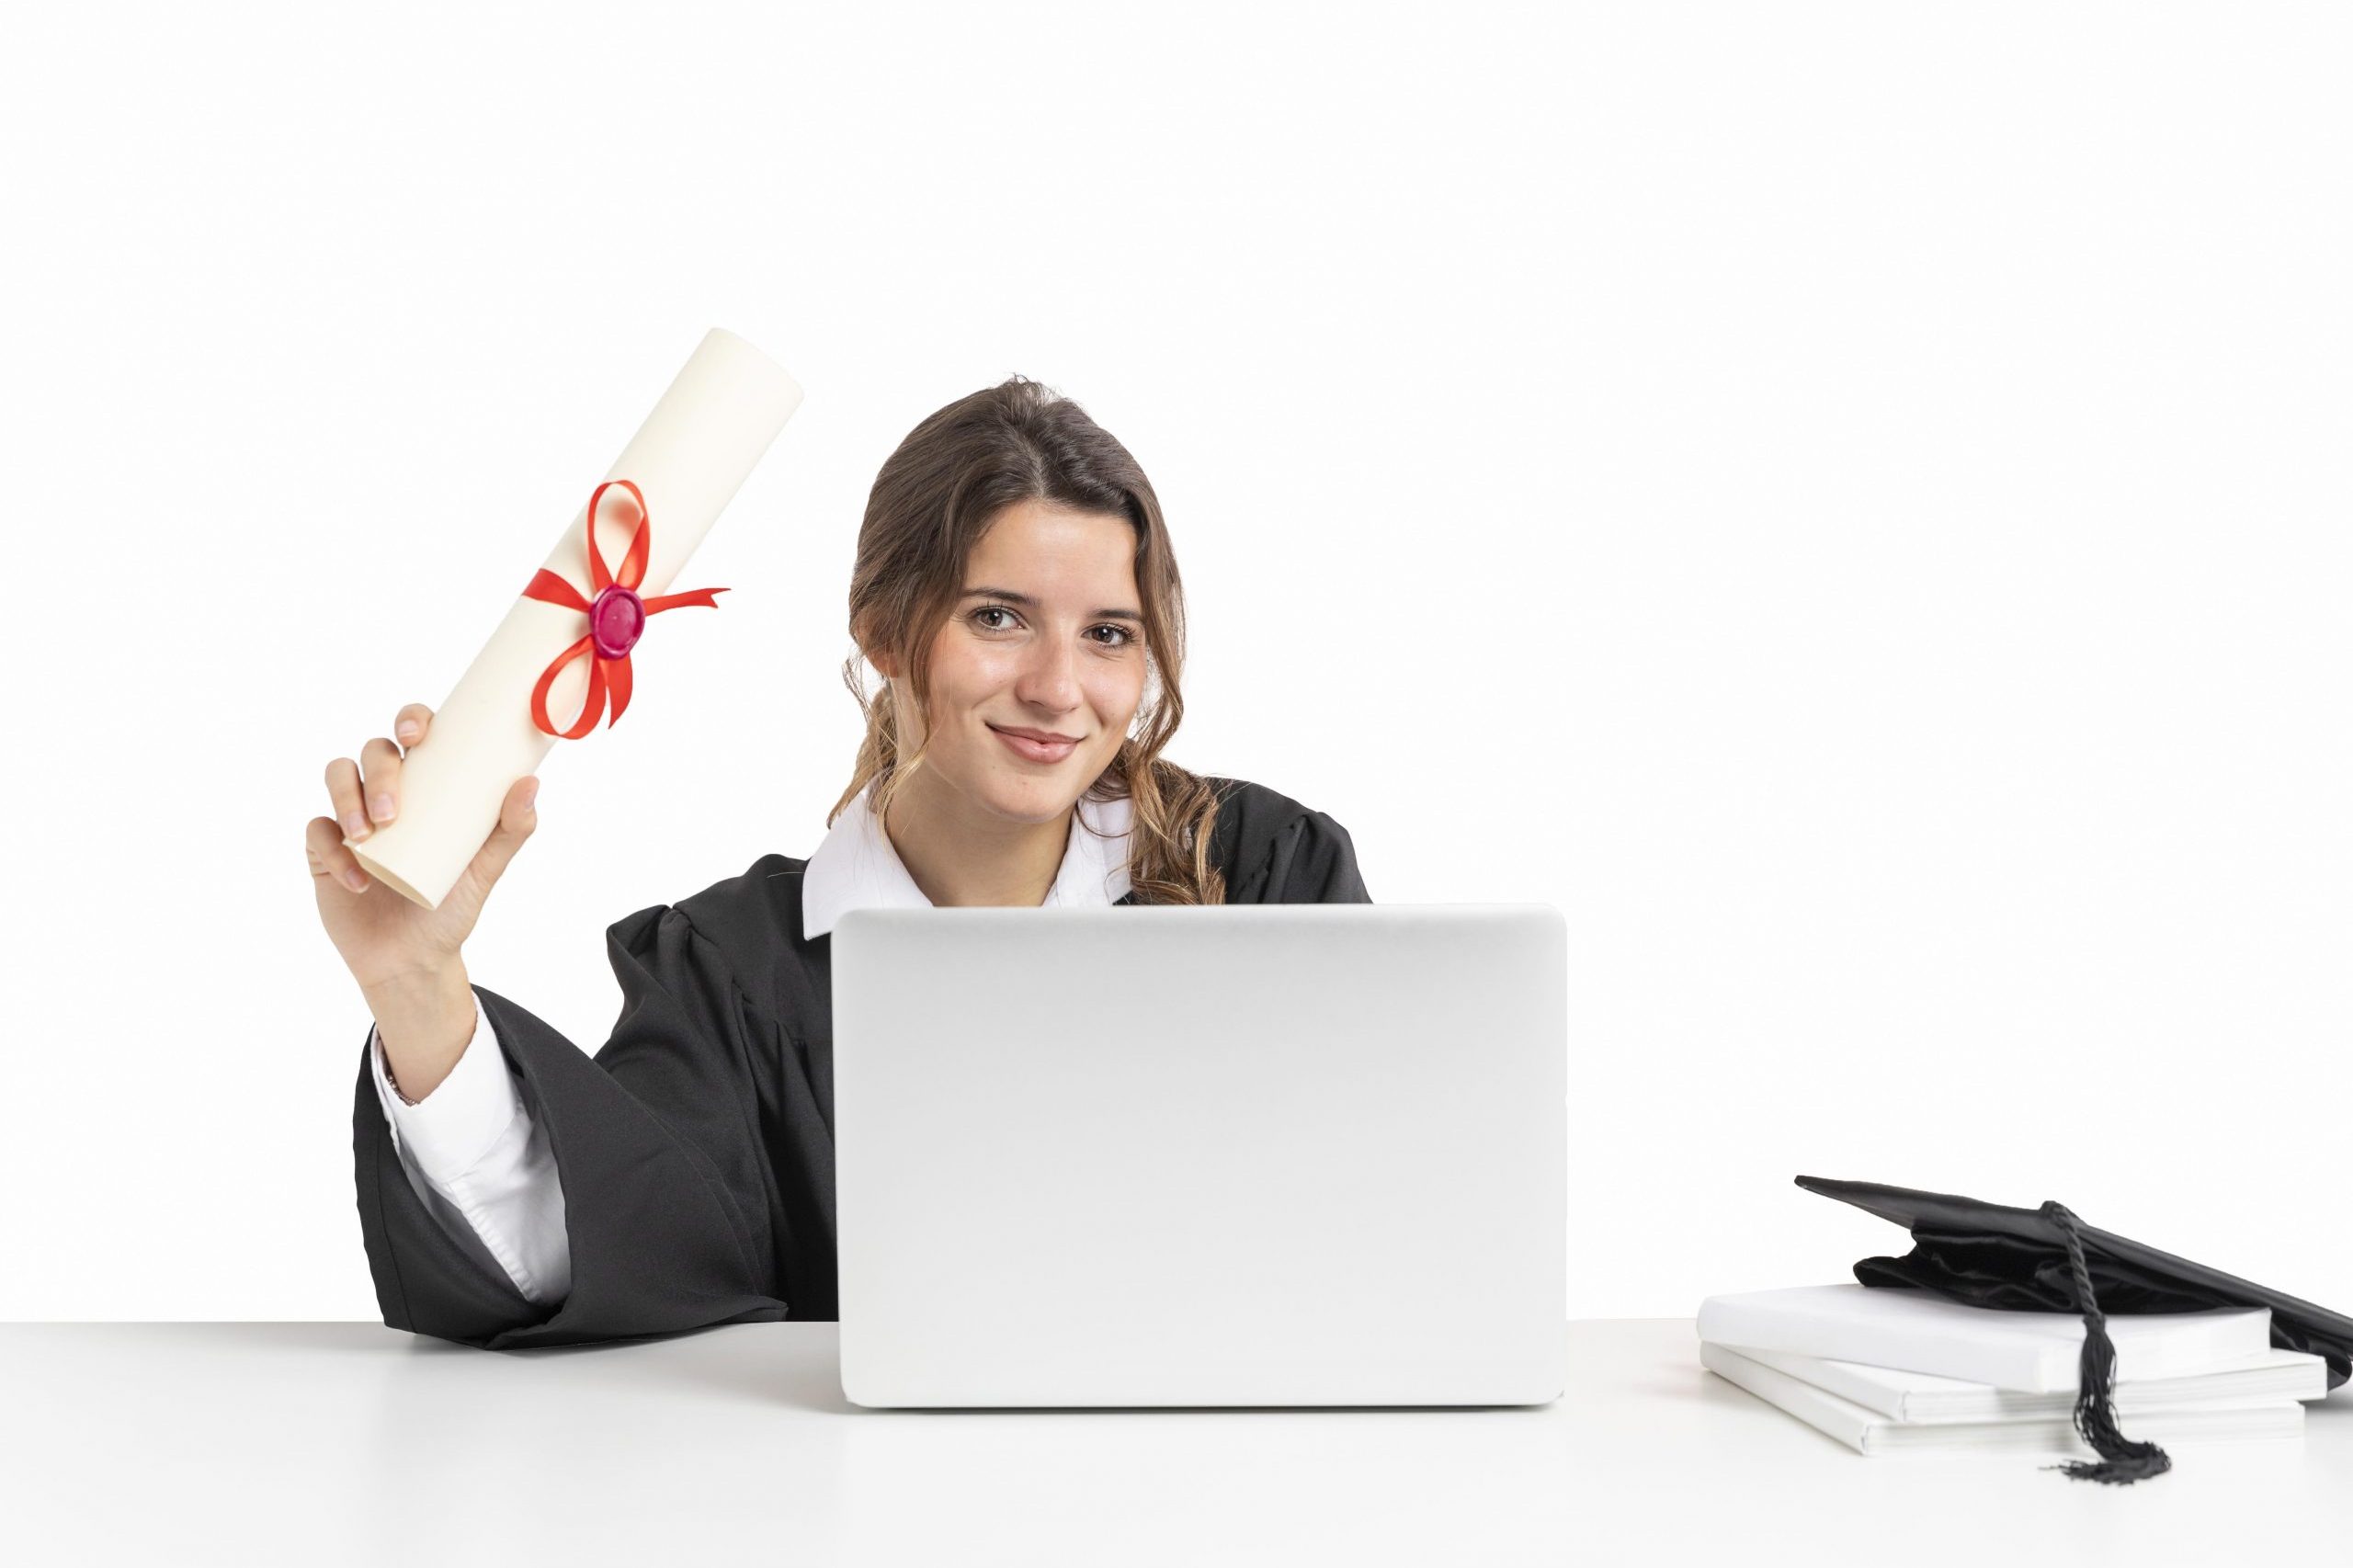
{"points": [[1886, 1370]]}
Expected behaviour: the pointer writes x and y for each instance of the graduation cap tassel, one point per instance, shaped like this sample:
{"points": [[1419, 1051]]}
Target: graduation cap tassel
{"points": [[2122, 1461]]}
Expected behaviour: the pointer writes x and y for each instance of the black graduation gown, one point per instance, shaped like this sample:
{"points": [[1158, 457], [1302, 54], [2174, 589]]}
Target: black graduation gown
{"points": [[696, 1148]]}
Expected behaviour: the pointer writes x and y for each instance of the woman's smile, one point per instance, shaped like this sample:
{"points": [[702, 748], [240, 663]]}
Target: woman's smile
{"points": [[1023, 745]]}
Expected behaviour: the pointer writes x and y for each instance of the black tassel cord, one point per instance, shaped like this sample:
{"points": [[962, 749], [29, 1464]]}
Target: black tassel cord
{"points": [[2121, 1460]]}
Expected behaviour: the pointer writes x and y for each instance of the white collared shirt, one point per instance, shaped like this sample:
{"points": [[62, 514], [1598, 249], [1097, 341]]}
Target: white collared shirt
{"points": [[855, 868], [485, 1171]]}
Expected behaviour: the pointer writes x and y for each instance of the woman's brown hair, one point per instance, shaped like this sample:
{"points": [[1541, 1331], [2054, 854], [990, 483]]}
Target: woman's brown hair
{"points": [[938, 493]]}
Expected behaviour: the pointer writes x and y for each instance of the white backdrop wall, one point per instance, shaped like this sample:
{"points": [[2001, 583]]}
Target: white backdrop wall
{"points": [[1847, 502]]}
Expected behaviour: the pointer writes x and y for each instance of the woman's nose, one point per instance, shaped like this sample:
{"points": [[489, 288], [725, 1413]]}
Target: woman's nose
{"points": [[1050, 676]]}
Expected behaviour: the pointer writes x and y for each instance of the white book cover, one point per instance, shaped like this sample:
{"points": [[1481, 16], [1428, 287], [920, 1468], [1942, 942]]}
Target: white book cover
{"points": [[1924, 1397], [1868, 1432], [2031, 1352]]}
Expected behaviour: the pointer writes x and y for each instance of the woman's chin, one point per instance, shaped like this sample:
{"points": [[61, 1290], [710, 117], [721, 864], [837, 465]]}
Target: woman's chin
{"points": [[1028, 798]]}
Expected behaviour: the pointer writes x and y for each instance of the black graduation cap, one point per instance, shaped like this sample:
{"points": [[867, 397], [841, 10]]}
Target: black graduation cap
{"points": [[2045, 1260]]}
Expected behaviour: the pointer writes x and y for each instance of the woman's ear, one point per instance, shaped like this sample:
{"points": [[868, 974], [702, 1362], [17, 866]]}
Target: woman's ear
{"points": [[881, 660]]}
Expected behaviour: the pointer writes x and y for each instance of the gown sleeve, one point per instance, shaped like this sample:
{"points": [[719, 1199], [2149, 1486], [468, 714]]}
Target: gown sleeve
{"points": [[481, 1165], [1312, 861], [668, 1194]]}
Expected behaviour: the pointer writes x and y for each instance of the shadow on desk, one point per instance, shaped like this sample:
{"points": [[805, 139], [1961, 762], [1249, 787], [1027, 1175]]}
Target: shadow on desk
{"points": [[805, 1376]]}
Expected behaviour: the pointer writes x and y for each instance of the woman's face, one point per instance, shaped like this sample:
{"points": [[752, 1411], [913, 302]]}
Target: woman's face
{"points": [[1049, 636]]}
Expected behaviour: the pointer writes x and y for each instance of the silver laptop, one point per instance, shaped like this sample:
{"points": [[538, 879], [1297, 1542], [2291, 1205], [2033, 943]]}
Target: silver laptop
{"points": [[1258, 1154]]}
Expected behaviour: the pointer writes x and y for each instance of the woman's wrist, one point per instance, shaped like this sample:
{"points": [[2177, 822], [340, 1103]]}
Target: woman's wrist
{"points": [[426, 1020]]}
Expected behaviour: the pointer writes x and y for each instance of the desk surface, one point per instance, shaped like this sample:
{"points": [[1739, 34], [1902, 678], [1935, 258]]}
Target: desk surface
{"points": [[349, 1442]]}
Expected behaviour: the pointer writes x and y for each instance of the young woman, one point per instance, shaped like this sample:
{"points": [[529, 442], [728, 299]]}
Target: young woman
{"points": [[1016, 589]]}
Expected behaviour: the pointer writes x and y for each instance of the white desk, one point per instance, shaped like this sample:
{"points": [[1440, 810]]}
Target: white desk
{"points": [[347, 1442]]}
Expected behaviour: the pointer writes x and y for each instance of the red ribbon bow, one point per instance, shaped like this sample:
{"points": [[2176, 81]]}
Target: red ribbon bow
{"points": [[616, 619]]}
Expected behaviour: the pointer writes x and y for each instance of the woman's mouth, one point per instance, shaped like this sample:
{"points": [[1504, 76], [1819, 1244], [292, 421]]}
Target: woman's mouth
{"points": [[1036, 751]]}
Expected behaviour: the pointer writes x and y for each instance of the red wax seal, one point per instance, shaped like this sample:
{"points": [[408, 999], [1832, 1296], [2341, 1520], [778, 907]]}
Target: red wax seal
{"points": [[616, 620]]}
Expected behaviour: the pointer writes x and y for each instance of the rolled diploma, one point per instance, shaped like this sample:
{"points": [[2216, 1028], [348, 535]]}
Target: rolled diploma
{"points": [[689, 458]]}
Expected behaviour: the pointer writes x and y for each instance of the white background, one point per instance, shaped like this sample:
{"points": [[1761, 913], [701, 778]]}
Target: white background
{"points": [[1847, 502]]}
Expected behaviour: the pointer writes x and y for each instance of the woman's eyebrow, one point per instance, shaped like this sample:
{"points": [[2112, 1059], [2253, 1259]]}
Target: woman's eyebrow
{"points": [[1026, 602]]}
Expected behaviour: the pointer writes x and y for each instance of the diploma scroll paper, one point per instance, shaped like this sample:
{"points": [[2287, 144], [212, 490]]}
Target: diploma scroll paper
{"points": [[688, 458]]}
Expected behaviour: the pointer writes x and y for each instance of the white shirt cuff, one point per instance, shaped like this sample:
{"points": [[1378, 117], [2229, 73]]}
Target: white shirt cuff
{"points": [[457, 1123]]}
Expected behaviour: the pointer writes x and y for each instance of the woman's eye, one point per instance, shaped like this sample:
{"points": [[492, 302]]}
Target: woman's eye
{"points": [[1125, 637]]}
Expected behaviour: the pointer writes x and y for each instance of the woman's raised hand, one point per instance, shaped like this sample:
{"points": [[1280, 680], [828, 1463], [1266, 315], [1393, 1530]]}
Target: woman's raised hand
{"points": [[383, 938]]}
